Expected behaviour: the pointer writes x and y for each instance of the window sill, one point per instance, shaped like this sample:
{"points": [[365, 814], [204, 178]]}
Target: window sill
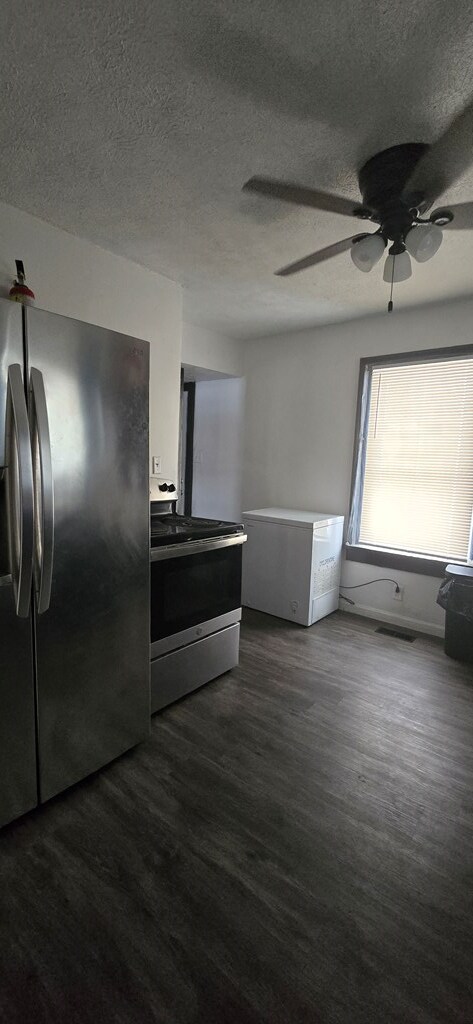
{"points": [[387, 558]]}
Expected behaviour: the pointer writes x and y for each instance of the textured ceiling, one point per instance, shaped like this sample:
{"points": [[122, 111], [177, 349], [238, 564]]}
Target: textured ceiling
{"points": [[134, 125]]}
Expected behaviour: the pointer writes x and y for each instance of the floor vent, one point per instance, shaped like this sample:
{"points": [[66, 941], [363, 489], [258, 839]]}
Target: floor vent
{"points": [[396, 633]]}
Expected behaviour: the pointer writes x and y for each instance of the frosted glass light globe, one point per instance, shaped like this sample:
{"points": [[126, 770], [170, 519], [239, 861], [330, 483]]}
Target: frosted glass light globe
{"points": [[423, 241], [367, 252]]}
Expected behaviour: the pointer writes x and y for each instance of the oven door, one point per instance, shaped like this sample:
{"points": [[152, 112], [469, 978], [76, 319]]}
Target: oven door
{"points": [[191, 586]]}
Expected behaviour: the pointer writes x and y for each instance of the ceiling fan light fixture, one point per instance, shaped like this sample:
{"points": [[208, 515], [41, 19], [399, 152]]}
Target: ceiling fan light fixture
{"points": [[423, 241], [401, 264], [367, 252]]}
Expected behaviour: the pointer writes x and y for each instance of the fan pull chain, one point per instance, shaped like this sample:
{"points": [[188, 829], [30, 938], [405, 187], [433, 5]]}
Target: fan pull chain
{"points": [[390, 303]]}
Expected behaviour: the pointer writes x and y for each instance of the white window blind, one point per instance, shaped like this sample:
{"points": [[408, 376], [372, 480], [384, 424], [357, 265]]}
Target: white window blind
{"points": [[418, 472]]}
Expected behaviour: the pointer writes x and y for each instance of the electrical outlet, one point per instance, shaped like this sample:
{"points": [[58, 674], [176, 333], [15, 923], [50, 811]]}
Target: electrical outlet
{"points": [[398, 594], [156, 462]]}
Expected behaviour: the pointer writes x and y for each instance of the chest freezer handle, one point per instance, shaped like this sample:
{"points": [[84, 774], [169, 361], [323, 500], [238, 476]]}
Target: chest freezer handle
{"points": [[19, 491], [44, 494]]}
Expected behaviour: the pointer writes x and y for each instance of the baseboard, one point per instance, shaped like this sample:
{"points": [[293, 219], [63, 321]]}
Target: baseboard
{"points": [[396, 620]]}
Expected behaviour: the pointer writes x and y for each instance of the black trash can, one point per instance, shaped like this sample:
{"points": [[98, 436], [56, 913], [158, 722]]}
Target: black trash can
{"points": [[456, 596]]}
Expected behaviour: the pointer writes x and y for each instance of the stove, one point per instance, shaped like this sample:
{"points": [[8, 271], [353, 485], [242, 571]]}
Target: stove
{"points": [[168, 527], [173, 528], [195, 596]]}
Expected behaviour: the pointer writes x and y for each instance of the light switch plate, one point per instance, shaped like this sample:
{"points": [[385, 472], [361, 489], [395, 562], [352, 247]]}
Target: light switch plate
{"points": [[156, 463]]}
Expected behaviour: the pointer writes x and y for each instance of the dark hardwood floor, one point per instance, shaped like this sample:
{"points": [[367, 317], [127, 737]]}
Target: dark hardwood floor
{"points": [[294, 845]]}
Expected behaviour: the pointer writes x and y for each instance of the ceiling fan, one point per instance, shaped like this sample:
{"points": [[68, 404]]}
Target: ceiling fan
{"points": [[397, 187]]}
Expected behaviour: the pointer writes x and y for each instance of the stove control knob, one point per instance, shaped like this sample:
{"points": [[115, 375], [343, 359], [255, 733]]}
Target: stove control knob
{"points": [[163, 487]]}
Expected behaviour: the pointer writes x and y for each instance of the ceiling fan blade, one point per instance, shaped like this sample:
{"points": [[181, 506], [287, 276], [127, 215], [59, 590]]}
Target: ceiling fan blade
{"points": [[446, 160], [301, 196], [462, 217], [319, 257]]}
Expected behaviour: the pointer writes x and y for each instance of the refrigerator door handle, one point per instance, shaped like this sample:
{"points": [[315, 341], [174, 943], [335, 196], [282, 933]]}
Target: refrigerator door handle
{"points": [[19, 491], [44, 495]]}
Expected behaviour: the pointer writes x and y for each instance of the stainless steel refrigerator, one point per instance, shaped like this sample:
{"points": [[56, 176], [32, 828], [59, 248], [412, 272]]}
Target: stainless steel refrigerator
{"points": [[74, 552]]}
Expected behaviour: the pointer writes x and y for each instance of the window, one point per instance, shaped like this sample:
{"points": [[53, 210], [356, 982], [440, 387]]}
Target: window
{"points": [[413, 475]]}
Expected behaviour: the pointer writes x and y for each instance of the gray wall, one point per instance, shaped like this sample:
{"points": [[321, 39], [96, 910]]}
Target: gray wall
{"points": [[218, 449]]}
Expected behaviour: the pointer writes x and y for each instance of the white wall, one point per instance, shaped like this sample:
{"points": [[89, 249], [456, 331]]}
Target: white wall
{"points": [[300, 420], [73, 277], [218, 449], [211, 350]]}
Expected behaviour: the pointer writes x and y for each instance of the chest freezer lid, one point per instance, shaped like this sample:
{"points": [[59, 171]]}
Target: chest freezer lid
{"points": [[291, 517]]}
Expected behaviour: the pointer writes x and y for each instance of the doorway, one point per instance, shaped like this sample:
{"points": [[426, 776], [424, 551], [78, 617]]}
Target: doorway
{"points": [[211, 444]]}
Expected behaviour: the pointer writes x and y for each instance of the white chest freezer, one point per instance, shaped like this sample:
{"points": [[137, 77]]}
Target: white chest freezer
{"points": [[291, 563]]}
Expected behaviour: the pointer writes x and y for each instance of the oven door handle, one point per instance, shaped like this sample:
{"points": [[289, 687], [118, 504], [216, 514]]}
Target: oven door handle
{"points": [[196, 547]]}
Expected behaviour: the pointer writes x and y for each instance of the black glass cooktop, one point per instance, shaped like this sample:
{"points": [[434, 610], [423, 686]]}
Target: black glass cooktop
{"points": [[175, 529]]}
